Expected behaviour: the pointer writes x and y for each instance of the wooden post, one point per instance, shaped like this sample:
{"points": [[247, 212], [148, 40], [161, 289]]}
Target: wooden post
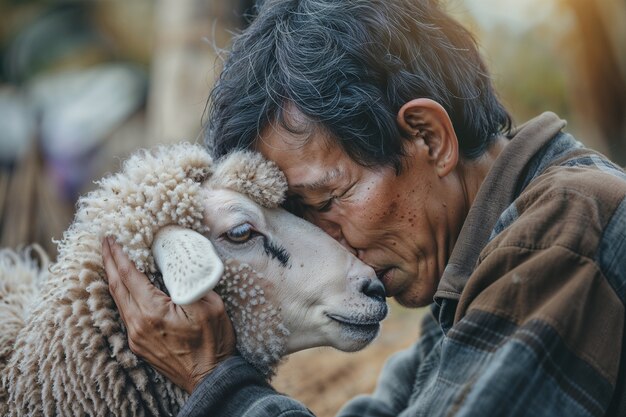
{"points": [[601, 38], [185, 64]]}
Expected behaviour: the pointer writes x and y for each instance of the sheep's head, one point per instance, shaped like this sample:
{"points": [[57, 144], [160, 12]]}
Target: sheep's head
{"points": [[286, 284]]}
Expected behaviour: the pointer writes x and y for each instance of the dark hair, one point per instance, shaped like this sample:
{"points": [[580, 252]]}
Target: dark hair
{"points": [[348, 66]]}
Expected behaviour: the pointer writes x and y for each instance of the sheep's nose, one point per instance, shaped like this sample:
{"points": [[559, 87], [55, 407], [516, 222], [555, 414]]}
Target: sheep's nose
{"points": [[373, 288]]}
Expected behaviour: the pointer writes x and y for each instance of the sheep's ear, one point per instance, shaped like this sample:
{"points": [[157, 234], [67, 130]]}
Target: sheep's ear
{"points": [[188, 262]]}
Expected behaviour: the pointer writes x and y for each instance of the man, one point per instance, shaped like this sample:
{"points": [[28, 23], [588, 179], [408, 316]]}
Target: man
{"points": [[382, 115]]}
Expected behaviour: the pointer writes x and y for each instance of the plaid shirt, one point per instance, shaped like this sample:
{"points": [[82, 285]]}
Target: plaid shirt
{"points": [[528, 318]]}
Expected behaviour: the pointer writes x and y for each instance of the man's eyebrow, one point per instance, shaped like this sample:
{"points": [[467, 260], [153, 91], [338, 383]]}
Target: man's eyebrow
{"points": [[322, 182]]}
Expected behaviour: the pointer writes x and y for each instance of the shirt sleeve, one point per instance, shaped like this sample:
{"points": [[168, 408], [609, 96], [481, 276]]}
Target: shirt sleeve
{"points": [[396, 382], [392, 390], [236, 388]]}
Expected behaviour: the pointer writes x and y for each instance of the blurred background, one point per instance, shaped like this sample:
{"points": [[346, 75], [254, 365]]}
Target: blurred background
{"points": [[84, 83]]}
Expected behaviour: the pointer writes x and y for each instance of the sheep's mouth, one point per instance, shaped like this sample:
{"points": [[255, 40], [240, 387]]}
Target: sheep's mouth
{"points": [[361, 325], [358, 329]]}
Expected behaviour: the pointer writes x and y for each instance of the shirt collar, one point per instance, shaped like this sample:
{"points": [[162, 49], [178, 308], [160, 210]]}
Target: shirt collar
{"points": [[499, 189]]}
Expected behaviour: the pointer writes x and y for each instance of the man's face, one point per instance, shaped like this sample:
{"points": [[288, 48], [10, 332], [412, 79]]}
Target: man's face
{"points": [[398, 224]]}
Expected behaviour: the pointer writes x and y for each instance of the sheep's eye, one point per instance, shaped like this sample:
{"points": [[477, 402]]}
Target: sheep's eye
{"points": [[240, 234]]}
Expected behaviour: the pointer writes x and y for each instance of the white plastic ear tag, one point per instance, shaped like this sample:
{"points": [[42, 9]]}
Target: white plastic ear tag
{"points": [[188, 262]]}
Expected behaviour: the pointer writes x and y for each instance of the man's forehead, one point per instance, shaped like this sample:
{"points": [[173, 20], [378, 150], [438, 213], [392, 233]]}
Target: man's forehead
{"points": [[295, 154], [290, 130]]}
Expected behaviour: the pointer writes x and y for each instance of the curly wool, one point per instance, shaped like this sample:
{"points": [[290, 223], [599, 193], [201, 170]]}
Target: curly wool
{"points": [[20, 278], [72, 356], [252, 175], [257, 319]]}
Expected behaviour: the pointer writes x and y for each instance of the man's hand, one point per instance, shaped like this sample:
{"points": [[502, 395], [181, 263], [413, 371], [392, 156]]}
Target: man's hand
{"points": [[183, 343]]}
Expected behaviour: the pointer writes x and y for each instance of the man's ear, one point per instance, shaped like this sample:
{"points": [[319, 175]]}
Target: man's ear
{"points": [[426, 122]]}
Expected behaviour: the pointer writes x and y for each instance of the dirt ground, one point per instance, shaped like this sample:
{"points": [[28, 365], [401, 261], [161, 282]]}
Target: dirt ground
{"points": [[324, 378]]}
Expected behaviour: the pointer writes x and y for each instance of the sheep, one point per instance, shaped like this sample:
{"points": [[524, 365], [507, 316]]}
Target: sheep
{"points": [[20, 277], [286, 285]]}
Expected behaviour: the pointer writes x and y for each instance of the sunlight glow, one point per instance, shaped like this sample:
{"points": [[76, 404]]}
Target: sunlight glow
{"points": [[517, 15]]}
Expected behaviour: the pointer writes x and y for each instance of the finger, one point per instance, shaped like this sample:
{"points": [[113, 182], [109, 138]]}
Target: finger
{"points": [[118, 290], [209, 304], [116, 285], [138, 285], [213, 299], [122, 263]]}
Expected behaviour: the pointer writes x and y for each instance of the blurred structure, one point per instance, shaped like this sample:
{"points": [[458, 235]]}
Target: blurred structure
{"points": [[64, 92], [599, 45], [567, 56], [82, 84], [185, 63]]}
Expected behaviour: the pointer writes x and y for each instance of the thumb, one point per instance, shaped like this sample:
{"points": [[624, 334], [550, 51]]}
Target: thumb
{"points": [[210, 305]]}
